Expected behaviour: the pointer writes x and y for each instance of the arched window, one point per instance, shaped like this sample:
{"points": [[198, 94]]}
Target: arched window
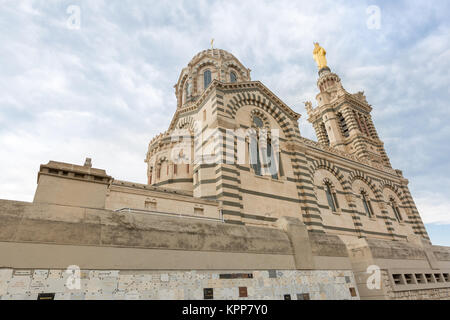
{"points": [[233, 77], [264, 160], [342, 124], [395, 209], [255, 161], [366, 203], [206, 78], [331, 197], [270, 164]]}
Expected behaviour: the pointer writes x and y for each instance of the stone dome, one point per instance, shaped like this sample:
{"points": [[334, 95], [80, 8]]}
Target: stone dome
{"points": [[205, 67]]}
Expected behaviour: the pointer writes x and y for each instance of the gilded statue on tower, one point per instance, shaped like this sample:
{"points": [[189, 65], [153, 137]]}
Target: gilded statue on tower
{"points": [[319, 56]]}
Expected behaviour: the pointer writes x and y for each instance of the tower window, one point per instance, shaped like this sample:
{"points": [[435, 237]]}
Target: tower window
{"points": [[233, 77], [206, 78], [175, 169], [366, 204], [343, 124]]}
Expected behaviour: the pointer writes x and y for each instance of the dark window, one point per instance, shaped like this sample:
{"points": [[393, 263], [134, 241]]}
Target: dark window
{"points": [[343, 125], [206, 78], [208, 293], [395, 210], [255, 160], [233, 77], [398, 279], [352, 292], [264, 157], [187, 168], [330, 198], [243, 292], [258, 122], [287, 297], [366, 204], [420, 278], [175, 168], [409, 278]]}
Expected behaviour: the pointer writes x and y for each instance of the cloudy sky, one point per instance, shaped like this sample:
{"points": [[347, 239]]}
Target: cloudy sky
{"points": [[95, 78]]}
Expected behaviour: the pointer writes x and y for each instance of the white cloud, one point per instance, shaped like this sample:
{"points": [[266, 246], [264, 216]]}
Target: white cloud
{"points": [[433, 208], [105, 90]]}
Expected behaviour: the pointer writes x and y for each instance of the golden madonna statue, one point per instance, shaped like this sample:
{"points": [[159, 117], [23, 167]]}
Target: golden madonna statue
{"points": [[319, 56]]}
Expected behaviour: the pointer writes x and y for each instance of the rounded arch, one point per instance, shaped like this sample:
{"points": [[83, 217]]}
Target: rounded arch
{"points": [[254, 99], [233, 66], [327, 165], [205, 63], [390, 185], [367, 180], [188, 123], [180, 87]]}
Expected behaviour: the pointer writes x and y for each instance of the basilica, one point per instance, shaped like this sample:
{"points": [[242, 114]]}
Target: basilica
{"points": [[237, 205]]}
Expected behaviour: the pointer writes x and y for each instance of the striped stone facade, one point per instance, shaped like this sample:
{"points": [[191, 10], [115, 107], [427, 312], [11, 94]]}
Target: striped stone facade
{"points": [[224, 109]]}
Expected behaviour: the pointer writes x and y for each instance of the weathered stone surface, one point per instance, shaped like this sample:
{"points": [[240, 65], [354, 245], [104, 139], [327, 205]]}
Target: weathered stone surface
{"points": [[395, 250], [68, 225], [327, 245]]}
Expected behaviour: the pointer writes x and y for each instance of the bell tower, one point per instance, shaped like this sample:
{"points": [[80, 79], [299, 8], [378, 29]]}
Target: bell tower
{"points": [[342, 120]]}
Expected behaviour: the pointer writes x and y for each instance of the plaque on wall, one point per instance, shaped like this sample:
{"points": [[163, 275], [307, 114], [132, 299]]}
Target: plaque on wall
{"points": [[208, 293], [46, 296]]}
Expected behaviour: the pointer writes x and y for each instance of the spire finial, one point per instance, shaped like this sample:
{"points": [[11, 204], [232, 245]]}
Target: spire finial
{"points": [[212, 43]]}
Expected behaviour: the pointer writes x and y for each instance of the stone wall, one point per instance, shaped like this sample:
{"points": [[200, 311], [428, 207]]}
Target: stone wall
{"points": [[132, 284], [421, 294]]}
